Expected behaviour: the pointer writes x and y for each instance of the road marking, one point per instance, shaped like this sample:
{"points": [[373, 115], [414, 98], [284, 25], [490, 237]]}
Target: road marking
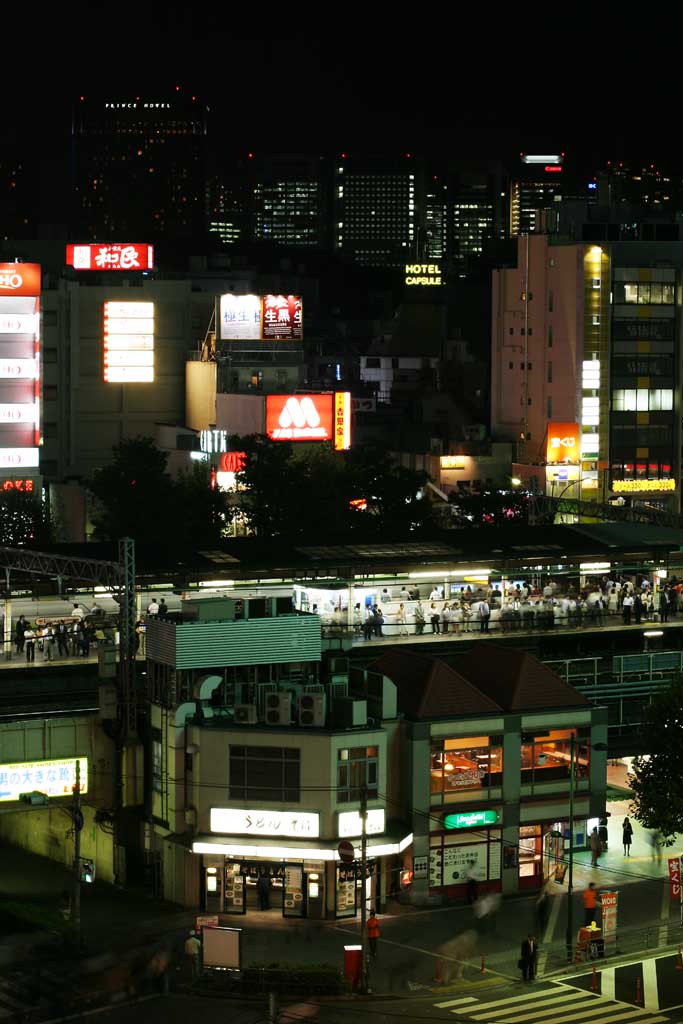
{"points": [[455, 1002], [650, 987], [607, 982], [538, 994], [633, 1014], [582, 998]]}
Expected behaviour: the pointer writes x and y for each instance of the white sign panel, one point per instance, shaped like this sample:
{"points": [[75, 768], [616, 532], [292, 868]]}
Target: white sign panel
{"points": [[16, 412], [240, 317], [293, 824], [129, 342], [18, 369], [54, 778], [19, 458], [351, 824], [18, 323]]}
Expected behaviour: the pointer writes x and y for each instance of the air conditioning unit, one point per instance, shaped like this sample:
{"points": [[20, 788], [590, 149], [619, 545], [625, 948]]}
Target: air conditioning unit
{"points": [[278, 708], [350, 712], [246, 714], [312, 709], [338, 688]]}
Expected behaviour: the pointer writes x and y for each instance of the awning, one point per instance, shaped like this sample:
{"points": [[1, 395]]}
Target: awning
{"points": [[238, 846]]}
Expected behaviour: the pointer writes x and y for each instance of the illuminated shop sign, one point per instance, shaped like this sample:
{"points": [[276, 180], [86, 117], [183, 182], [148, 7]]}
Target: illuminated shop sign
{"points": [[19, 458], [26, 486], [18, 369], [232, 462], [350, 823], [293, 824], [18, 323], [314, 417], [261, 317], [342, 420], [123, 256], [428, 274], [452, 462], [19, 279], [16, 412], [19, 365], [54, 778], [211, 441], [622, 486], [470, 819], [129, 342], [563, 443]]}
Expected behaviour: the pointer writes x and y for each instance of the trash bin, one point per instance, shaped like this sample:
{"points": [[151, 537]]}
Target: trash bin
{"points": [[353, 961]]}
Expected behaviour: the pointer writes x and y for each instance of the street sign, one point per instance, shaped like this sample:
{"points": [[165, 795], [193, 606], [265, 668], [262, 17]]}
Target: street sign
{"points": [[347, 854], [675, 878]]}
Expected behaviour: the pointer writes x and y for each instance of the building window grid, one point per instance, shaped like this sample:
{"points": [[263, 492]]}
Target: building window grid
{"points": [[265, 773], [357, 769]]}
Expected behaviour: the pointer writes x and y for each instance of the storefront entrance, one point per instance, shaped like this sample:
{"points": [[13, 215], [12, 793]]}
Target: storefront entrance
{"points": [[289, 889]]}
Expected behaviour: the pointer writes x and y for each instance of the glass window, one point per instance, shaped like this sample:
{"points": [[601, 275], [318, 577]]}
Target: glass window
{"points": [[643, 294], [661, 400], [619, 294], [667, 294], [357, 769], [642, 404], [156, 765], [630, 293], [463, 764], [656, 294], [548, 756], [265, 773]]}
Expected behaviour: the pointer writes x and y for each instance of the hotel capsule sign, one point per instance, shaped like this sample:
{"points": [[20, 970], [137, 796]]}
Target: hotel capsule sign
{"points": [[425, 274]]}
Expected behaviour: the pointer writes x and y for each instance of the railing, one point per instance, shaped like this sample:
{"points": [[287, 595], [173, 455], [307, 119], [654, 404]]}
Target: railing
{"points": [[626, 941]]}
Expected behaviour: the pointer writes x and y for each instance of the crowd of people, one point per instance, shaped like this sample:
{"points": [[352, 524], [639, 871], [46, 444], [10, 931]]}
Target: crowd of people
{"points": [[520, 607], [67, 637]]}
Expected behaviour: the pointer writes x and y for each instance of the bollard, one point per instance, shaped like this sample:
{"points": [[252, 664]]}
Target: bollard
{"points": [[594, 980], [482, 969], [437, 977], [639, 997], [679, 960]]}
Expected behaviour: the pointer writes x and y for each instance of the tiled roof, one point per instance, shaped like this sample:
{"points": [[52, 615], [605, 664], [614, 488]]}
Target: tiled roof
{"points": [[515, 680], [430, 688]]}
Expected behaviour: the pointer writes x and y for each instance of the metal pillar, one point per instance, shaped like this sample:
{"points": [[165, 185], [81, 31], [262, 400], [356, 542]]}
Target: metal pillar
{"points": [[128, 689]]}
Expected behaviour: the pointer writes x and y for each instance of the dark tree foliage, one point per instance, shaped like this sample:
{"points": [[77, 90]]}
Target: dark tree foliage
{"points": [[658, 783]]}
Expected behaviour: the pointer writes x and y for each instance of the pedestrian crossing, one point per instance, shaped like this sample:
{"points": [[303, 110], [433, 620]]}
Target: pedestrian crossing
{"points": [[551, 1003]]}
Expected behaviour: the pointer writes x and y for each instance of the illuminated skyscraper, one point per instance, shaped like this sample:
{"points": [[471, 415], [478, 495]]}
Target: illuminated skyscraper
{"points": [[138, 167], [376, 212]]}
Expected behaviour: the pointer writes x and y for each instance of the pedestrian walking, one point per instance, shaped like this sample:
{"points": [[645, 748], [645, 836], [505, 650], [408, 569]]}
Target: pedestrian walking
{"points": [[626, 608], [529, 958], [656, 844], [62, 638], [402, 620], [627, 836], [369, 625], [19, 631], [163, 609], [638, 608], [456, 953], [590, 902], [153, 607], [471, 876], [193, 949], [484, 612], [48, 639], [373, 932], [541, 908], [263, 890], [379, 620], [434, 618], [596, 847]]}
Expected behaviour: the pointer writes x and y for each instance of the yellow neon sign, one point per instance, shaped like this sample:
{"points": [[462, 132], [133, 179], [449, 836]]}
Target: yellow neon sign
{"points": [[423, 274], [619, 486]]}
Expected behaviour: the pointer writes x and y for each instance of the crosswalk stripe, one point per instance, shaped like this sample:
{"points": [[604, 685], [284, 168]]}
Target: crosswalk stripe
{"points": [[455, 1002], [536, 1014], [633, 1014], [650, 985], [539, 993]]}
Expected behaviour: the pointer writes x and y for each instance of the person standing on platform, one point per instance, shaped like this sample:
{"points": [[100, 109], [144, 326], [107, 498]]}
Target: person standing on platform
{"points": [[373, 932], [590, 902]]}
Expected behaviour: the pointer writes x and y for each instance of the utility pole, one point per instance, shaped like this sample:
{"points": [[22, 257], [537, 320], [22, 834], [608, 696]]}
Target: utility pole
{"points": [[77, 818], [570, 883], [363, 900]]}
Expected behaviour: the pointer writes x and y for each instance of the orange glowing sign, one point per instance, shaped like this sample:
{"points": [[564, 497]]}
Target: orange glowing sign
{"points": [[563, 443], [342, 420], [310, 417]]}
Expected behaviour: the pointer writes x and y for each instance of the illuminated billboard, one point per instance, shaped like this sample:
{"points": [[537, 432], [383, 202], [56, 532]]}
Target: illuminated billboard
{"points": [[129, 342], [426, 274], [316, 417], [54, 778], [19, 366], [118, 256], [260, 317], [563, 443]]}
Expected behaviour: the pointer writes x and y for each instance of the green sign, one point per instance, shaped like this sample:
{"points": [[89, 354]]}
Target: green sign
{"points": [[470, 819]]}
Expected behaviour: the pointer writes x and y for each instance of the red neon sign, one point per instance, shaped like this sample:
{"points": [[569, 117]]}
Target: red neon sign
{"points": [[300, 417], [233, 462], [114, 256], [552, 168], [25, 486]]}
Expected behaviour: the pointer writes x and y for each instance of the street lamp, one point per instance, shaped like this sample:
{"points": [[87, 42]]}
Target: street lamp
{"points": [[570, 883]]}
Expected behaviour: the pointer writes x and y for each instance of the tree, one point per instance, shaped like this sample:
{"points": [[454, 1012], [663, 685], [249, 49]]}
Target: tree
{"points": [[658, 783], [24, 520], [205, 512], [132, 493]]}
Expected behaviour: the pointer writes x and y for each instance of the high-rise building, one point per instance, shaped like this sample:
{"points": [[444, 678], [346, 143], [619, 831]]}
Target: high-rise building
{"points": [[376, 210], [289, 200], [534, 185], [138, 166], [586, 341]]}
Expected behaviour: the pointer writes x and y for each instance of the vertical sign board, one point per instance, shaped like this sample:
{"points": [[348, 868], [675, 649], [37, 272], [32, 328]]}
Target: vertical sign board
{"points": [[19, 367], [675, 878], [128, 342], [608, 906]]}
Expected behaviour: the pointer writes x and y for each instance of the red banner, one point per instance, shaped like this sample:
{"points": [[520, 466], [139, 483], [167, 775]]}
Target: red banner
{"points": [[19, 279], [113, 256], [675, 877]]}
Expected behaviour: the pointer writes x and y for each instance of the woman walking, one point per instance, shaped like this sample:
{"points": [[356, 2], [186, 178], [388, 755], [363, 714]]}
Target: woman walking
{"points": [[627, 836]]}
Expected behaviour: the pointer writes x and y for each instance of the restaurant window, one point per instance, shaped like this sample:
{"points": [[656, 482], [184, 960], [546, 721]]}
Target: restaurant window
{"points": [[459, 765], [357, 769], [548, 756], [265, 773]]}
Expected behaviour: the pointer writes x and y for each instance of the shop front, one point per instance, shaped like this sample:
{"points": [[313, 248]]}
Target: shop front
{"points": [[283, 874], [468, 846]]}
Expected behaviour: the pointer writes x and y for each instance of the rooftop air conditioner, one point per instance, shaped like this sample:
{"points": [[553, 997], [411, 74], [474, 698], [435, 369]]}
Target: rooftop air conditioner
{"points": [[278, 708], [246, 714], [312, 709]]}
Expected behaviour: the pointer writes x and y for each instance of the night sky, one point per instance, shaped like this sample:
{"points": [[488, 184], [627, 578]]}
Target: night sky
{"points": [[457, 83]]}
